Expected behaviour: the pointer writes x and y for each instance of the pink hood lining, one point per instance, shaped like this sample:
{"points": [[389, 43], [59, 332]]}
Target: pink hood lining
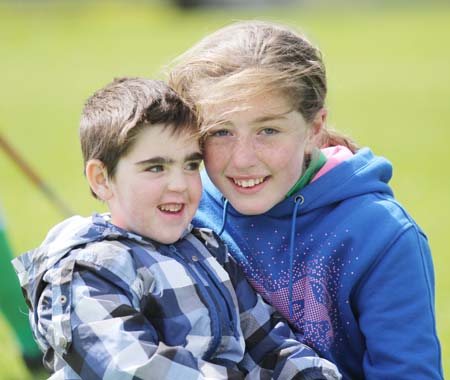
{"points": [[335, 155]]}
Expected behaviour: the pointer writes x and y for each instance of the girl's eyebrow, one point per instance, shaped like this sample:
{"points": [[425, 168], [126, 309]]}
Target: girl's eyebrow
{"points": [[263, 119], [196, 156], [258, 120]]}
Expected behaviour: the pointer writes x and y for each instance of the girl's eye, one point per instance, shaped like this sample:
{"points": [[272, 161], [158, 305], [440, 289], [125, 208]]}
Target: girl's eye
{"points": [[155, 169], [269, 131], [193, 166]]}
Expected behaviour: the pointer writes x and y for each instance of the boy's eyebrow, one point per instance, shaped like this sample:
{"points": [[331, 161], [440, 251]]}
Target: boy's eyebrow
{"points": [[156, 161], [196, 156]]}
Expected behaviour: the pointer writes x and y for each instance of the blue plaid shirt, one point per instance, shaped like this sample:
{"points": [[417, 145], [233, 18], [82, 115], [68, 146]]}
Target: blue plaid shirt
{"points": [[108, 304]]}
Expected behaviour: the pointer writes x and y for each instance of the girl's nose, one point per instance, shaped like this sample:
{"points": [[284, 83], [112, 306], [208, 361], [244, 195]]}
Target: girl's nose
{"points": [[244, 154]]}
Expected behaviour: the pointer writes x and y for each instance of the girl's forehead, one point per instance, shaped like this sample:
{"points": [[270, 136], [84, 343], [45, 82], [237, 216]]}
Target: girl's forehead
{"points": [[261, 106], [245, 83]]}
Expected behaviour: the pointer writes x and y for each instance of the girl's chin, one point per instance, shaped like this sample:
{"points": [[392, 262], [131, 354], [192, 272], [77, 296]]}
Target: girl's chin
{"points": [[248, 207]]}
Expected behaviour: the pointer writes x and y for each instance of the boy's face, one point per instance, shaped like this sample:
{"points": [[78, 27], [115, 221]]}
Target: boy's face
{"points": [[157, 188]]}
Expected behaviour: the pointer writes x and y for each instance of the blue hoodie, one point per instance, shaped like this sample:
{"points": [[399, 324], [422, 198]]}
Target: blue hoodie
{"points": [[346, 264]]}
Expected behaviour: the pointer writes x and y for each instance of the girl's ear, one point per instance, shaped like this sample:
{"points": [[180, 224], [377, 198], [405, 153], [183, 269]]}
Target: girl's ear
{"points": [[98, 179], [315, 130], [319, 122]]}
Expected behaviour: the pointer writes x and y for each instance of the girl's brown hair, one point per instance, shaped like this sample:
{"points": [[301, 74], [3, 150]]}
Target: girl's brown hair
{"points": [[249, 58]]}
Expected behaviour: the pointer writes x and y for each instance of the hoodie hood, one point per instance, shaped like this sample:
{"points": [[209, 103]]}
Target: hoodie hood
{"points": [[66, 236]]}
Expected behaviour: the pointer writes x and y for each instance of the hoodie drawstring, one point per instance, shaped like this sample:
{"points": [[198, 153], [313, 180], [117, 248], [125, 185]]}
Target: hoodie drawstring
{"points": [[224, 217], [298, 200]]}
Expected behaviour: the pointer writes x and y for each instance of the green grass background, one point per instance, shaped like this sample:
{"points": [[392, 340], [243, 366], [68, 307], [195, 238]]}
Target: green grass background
{"points": [[389, 79]]}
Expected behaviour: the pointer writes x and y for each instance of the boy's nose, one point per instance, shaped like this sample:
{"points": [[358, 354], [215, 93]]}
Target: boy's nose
{"points": [[177, 182]]}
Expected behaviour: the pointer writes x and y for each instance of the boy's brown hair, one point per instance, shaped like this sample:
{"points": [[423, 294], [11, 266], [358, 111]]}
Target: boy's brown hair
{"points": [[114, 115]]}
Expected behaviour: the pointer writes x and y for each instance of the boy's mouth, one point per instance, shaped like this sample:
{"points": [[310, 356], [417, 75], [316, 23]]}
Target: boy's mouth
{"points": [[171, 207]]}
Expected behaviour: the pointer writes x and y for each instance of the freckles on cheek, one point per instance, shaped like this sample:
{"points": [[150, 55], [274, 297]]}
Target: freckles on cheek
{"points": [[214, 154], [288, 161], [284, 157]]}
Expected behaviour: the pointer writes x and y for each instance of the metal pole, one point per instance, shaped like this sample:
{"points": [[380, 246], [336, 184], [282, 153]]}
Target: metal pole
{"points": [[34, 177]]}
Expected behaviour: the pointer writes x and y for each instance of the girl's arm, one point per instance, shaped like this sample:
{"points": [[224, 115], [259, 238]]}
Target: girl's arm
{"points": [[395, 303]]}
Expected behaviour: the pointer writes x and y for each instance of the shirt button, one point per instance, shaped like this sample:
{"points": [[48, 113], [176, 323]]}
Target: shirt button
{"points": [[63, 342], [194, 258]]}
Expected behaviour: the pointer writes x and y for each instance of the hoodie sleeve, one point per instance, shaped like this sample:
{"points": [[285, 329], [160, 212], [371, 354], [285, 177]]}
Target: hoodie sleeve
{"points": [[94, 329], [272, 350], [397, 298]]}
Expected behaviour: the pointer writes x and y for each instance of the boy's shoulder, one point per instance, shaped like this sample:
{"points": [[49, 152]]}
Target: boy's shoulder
{"points": [[111, 256], [102, 252]]}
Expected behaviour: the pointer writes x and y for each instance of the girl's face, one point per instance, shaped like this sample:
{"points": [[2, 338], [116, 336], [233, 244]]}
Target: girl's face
{"points": [[256, 155]]}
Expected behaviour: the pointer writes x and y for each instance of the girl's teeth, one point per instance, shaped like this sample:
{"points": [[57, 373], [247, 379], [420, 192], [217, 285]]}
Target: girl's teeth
{"points": [[248, 182]]}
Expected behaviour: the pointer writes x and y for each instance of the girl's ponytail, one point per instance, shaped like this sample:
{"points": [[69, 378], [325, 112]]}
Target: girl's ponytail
{"points": [[330, 137]]}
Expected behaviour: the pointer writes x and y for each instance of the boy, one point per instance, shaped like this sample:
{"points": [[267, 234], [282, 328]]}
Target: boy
{"points": [[137, 294]]}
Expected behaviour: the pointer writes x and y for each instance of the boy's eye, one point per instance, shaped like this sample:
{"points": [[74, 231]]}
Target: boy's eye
{"points": [[219, 133], [193, 165], [155, 169]]}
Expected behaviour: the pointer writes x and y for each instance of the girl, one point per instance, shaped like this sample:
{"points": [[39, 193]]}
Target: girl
{"points": [[309, 217]]}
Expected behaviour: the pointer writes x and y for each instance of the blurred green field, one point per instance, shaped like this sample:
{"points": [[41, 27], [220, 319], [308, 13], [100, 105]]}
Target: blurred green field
{"points": [[389, 79]]}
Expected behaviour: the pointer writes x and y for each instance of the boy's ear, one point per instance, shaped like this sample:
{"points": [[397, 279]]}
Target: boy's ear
{"points": [[98, 179]]}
